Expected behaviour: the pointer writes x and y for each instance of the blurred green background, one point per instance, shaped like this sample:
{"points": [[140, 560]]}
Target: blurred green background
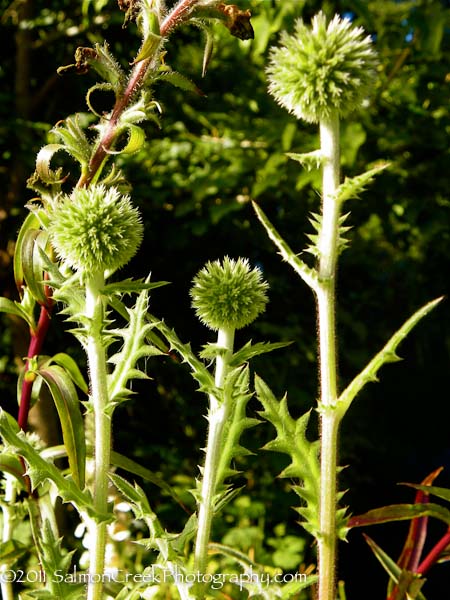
{"points": [[193, 182]]}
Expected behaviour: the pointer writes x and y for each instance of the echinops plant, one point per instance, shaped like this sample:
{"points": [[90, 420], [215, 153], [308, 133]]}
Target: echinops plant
{"points": [[321, 74]]}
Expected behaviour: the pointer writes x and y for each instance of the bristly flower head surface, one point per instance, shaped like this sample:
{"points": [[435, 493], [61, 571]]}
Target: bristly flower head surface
{"points": [[229, 294], [95, 228], [323, 69]]}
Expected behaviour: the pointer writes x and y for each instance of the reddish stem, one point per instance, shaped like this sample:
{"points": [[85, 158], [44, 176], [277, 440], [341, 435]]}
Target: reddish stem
{"points": [[176, 16], [34, 348], [434, 554]]}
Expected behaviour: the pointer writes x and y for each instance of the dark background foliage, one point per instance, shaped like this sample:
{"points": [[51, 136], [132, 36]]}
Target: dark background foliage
{"points": [[194, 181]]}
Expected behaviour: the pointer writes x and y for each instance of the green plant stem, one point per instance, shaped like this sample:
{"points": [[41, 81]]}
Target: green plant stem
{"points": [[9, 498], [325, 292], [102, 431], [217, 418]]}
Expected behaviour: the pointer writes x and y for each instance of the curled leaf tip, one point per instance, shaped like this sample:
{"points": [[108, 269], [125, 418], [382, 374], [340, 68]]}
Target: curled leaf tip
{"points": [[237, 21]]}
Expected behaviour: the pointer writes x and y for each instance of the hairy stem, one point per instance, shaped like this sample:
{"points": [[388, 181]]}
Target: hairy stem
{"points": [[217, 418], [325, 291], [102, 428], [9, 499], [34, 348]]}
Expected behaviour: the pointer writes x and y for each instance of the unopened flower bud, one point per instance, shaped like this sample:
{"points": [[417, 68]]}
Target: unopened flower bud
{"points": [[95, 228], [320, 70], [228, 294]]}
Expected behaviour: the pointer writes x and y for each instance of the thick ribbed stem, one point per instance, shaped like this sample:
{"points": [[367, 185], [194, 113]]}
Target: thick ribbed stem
{"points": [[328, 249], [102, 432], [217, 417]]}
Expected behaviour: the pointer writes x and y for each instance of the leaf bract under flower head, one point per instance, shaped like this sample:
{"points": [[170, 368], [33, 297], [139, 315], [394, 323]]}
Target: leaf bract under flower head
{"points": [[228, 294], [320, 70], [95, 228]]}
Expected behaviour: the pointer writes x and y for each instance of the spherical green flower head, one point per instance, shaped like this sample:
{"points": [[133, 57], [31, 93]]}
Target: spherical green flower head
{"points": [[320, 70], [95, 229], [229, 295]]}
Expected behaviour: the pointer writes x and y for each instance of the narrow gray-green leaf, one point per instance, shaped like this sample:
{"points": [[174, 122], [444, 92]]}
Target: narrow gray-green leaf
{"points": [[68, 406], [389, 565], [207, 53], [32, 264], [400, 512], [70, 366], [118, 460], [433, 490], [308, 275], [387, 354], [31, 222]]}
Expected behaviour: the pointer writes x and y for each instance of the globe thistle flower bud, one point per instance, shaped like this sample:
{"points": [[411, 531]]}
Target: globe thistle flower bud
{"points": [[95, 229], [323, 69], [228, 295]]}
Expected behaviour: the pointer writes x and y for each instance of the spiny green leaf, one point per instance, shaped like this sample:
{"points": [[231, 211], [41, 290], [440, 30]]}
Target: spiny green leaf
{"points": [[353, 186], [40, 469], [134, 494], [291, 440], [73, 139], [310, 160], [212, 351], [236, 395], [118, 460], [199, 372], [180, 81], [308, 275], [387, 354], [251, 350], [129, 286], [54, 561], [134, 347], [107, 66], [67, 404]]}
